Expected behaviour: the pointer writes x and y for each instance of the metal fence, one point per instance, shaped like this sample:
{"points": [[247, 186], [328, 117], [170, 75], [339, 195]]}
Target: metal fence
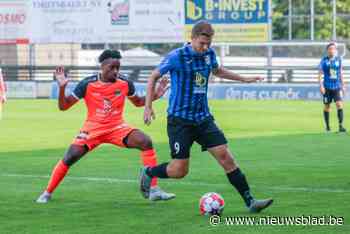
{"points": [[273, 74]]}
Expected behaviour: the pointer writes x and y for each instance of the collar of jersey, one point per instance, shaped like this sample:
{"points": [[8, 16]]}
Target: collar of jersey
{"points": [[105, 83], [334, 58], [193, 52]]}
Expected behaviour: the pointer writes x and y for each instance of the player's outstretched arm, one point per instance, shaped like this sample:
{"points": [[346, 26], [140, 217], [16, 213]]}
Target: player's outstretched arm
{"points": [[162, 87], [64, 103], [148, 114], [228, 75]]}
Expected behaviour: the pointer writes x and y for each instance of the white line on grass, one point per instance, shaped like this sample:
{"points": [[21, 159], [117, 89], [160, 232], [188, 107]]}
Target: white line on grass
{"points": [[117, 180]]}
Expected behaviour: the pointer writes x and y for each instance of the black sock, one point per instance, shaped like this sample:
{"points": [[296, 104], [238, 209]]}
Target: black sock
{"points": [[158, 171], [340, 116], [326, 118], [239, 181]]}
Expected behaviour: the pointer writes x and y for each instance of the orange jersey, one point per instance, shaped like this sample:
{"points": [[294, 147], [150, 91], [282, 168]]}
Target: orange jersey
{"points": [[104, 101]]}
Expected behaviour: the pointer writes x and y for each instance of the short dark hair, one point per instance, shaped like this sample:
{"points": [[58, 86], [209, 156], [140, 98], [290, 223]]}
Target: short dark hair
{"points": [[106, 54], [202, 28], [331, 44]]}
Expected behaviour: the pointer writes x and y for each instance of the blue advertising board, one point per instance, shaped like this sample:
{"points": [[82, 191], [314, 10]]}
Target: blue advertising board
{"points": [[241, 91]]}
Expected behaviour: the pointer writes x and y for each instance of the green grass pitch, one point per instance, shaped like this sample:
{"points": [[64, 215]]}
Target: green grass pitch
{"points": [[281, 147]]}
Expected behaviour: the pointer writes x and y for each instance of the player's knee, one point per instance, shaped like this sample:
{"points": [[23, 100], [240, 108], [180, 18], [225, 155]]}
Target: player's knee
{"points": [[146, 143], [226, 160], [180, 173], [74, 154], [177, 171], [228, 163], [327, 108], [339, 105], [69, 160]]}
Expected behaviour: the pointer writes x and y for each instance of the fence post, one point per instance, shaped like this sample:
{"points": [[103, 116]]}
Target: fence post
{"points": [[269, 47], [31, 61]]}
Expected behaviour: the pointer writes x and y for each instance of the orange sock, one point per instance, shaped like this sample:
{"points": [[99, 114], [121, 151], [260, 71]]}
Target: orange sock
{"points": [[57, 175], [149, 158]]}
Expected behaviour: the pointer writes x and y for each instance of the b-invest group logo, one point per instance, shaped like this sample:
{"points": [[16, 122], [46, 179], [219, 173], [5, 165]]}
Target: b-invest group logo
{"points": [[227, 11], [233, 20]]}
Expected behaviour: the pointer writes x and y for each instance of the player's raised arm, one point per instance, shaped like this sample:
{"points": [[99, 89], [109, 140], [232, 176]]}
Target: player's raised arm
{"points": [[64, 103], [149, 115], [228, 75], [162, 87]]}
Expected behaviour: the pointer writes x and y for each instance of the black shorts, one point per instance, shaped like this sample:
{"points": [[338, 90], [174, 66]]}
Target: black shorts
{"points": [[183, 133], [332, 95]]}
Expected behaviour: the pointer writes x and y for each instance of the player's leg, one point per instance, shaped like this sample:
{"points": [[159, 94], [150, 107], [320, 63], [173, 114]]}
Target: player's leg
{"points": [[211, 138], [326, 111], [181, 139], [74, 153], [237, 178], [139, 140], [340, 112], [176, 169], [1, 104], [327, 99]]}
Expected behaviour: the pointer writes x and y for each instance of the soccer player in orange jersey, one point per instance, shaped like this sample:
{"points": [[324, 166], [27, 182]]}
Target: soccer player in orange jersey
{"points": [[104, 95]]}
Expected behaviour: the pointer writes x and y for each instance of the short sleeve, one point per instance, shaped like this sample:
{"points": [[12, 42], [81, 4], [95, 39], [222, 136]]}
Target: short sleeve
{"points": [[131, 90], [80, 90], [170, 62], [320, 66]]}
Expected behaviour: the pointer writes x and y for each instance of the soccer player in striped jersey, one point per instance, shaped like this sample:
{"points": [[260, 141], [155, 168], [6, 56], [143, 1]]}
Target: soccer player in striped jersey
{"points": [[332, 85], [189, 118], [104, 95]]}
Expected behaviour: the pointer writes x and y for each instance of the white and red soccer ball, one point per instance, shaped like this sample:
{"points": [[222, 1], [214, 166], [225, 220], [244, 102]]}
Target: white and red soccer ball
{"points": [[211, 204]]}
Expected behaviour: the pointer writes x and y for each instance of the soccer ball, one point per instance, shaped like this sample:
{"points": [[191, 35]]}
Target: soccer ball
{"points": [[211, 204]]}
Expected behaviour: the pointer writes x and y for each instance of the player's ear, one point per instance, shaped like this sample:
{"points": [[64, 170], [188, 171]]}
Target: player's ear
{"points": [[103, 66]]}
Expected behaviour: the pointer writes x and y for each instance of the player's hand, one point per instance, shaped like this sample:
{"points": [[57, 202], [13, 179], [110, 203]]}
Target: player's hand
{"points": [[162, 87], [254, 79], [148, 115], [60, 76], [322, 90], [343, 89]]}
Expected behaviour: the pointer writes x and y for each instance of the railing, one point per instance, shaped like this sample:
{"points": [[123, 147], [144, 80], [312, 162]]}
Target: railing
{"points": [[274, 74]]}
